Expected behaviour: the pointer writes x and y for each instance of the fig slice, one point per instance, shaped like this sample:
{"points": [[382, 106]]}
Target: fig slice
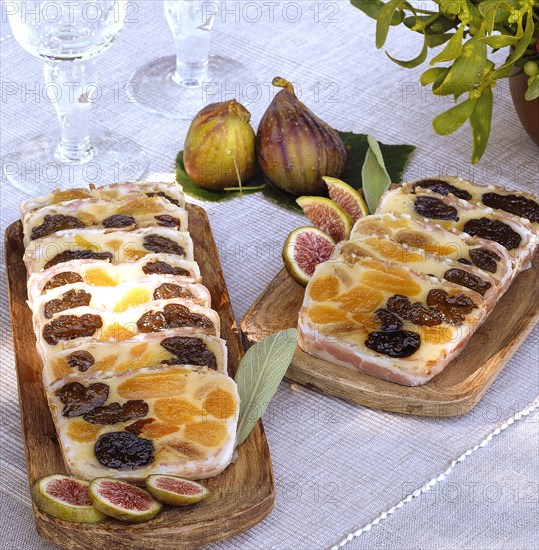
{"points": [[327, 215], [348, 198], [122, 500], [304, 249], [176, 491], [67, 498]]}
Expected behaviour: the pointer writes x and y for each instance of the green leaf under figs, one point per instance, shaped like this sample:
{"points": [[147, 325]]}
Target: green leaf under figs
{"points": [[376, 180], [452, 119], [466, 71], [481, 122], [258, 377], [396, 157], [452, 49], [383, 21]]}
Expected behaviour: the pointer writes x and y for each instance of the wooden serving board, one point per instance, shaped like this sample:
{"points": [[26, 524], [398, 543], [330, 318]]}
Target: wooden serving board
{"points": [[455, 391], [241, 496]]}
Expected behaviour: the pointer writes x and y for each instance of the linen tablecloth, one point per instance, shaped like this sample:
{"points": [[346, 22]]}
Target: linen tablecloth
{"points": [[344, 474]]}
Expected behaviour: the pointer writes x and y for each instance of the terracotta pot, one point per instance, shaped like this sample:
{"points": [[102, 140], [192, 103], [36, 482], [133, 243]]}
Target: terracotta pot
{"points": [[528, 111]]}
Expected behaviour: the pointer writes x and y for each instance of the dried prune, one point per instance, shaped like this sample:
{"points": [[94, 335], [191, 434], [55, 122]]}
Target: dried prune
{"points": [[162, 268], [79, 399], [69, 255], [160, 244], [118, 220], [399, 343], [441, 187], [69, 327], [179, 316], [493, 230], [485, 259], [52, 224], [388, 321], [415, 313], [61, 279], [399, 304], [189, 351], [168, 221], [165, 196], [123, 450], [81, 360], [452, 309], [464, 261], [514, 204], [152, 322], [137, 427], [172, 316], [420, 315], [435, 209], [69, 300], [114, 412], [469, 280], [170, 290]]}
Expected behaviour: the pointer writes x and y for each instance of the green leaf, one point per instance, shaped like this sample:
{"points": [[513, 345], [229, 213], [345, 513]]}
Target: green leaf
{"points": [[434, 75], [385, 15], [286, 200], [396, 157], [466, 71], [453, 118], [481, 122], [191, 188], [452, 49], [259, 374], [372, 9], [435, 40], [376, 180], [520, 48], [416, 61], [500, 40], [533, 88]]}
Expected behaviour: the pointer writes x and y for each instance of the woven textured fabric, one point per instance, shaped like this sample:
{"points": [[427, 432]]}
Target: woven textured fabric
{"points": [[337, 466]]}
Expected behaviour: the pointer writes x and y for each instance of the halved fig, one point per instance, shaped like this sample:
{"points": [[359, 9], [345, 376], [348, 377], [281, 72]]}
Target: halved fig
{"points": [[304, 249], [348, 198], [175, 491], [327, 216], [67, 498], [123, 501]]}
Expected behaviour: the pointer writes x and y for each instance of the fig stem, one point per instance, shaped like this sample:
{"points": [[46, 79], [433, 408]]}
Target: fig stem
{"points": [[246, 188], [231, 153], [281, 82]]}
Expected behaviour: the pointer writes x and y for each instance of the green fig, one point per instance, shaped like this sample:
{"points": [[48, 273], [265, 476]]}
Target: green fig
{"points": [[295, 148], [219, 149]]}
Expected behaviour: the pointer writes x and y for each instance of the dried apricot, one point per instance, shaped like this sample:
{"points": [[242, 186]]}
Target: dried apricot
{"points": [[175, 410], [393, 280], [133, 297], [145, 386], [81, 431], [116, 332], [98, 276], [360, 299], [392, 251], [220, 404], [209, 433], [326, 314], [324, 288], [154, 430]]}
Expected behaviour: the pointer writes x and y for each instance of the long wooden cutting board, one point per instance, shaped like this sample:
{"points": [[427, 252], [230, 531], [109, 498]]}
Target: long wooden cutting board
{"points": [[241, 496]]}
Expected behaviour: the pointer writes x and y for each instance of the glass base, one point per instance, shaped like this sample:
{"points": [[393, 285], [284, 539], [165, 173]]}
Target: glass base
{"points": [[152, 88], [34, 168]]}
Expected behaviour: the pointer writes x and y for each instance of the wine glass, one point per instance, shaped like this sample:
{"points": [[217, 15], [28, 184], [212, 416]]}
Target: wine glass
{"points": [[69, 36], [177, 87]]}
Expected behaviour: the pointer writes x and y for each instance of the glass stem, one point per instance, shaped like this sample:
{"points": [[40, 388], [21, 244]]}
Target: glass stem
{"points": [[191, 61], [71, 86]]}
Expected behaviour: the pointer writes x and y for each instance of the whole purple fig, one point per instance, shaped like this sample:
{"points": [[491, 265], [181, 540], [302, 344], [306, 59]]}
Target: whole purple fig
{"points": [[295, 148], [219, 148]]}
